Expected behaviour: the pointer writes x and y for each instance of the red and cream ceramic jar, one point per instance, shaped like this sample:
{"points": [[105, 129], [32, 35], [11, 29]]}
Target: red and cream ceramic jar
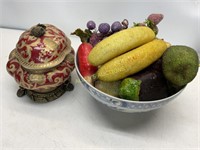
{"points": [[42, 63]]}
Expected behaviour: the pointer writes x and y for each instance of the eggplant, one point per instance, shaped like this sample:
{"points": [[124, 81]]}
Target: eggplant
{"points": [[154, 85]]}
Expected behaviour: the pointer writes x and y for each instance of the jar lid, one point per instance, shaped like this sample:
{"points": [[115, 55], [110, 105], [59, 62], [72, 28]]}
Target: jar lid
{"points": [[41, 47]]}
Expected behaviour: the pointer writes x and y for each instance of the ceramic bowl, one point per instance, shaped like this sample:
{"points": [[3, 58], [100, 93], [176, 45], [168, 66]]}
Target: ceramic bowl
{"points": [[123, 104]]}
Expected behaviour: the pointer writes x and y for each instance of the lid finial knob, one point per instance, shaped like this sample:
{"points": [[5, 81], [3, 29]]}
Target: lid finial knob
{"points": [[38, 30]]}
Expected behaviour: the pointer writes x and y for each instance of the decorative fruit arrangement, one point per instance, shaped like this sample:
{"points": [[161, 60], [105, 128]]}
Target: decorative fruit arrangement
{"points": [[132, 62]]}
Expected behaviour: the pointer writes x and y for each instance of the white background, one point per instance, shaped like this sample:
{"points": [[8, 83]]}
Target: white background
{"points": [[181, 24], [76, 120]]}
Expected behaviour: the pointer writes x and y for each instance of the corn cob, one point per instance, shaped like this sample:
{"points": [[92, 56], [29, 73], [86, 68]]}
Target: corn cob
{"points": [[119, 43], [132, 61]]}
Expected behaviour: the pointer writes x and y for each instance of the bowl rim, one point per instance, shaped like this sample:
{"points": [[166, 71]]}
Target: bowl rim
{"points": [[120, 99]]}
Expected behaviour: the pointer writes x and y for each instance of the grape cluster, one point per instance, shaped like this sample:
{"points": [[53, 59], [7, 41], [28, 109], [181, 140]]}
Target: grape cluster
{"points": [[104, 30], [94, 34]]}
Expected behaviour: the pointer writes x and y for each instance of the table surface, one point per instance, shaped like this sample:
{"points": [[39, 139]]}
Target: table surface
{"points": [[76, 120]]}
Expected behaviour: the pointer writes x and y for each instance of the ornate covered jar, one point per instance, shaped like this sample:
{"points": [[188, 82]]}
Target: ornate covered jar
{"points": [[42, 63]]}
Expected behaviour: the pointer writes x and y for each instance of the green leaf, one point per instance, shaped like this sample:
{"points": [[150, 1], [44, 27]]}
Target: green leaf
{"points": [[84, 35], [149, 23]]}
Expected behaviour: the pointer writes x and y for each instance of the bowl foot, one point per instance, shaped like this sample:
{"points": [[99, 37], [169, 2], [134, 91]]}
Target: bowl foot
{"points": [[48, 96]]}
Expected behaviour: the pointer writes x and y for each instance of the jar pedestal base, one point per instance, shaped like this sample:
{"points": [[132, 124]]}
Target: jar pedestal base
{"points": [[48, 96]]}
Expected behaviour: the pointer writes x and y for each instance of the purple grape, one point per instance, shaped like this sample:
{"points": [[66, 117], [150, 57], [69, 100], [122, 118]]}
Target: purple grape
{"points": [[94, 39], [116, 26], [104, 28], [91, 25]]}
